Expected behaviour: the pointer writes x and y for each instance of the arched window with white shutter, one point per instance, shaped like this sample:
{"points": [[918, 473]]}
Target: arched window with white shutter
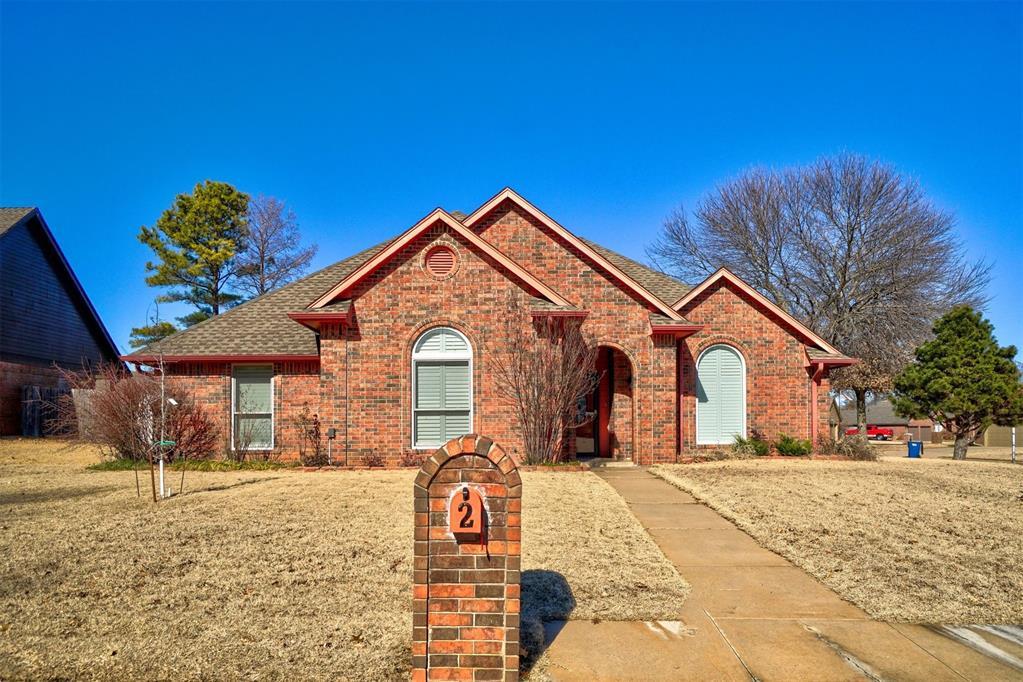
{"points": [[441, 387], [720, 396]]}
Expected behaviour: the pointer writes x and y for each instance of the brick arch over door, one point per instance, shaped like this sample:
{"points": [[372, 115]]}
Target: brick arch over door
{"points": [[625, 400]]}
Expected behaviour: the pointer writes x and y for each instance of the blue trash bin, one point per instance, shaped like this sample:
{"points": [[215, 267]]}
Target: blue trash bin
{"points": [[916, 448]]}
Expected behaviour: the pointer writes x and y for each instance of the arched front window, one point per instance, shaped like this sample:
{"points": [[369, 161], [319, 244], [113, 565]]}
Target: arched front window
{"points": [[720, 396], [441, 387]]}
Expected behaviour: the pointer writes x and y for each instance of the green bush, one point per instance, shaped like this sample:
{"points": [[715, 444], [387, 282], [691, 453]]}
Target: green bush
{"points": [[792, 447], [753, 446]]}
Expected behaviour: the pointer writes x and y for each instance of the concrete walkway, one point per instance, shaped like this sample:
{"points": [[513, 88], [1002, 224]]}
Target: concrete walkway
{"points": [[754, 615]]}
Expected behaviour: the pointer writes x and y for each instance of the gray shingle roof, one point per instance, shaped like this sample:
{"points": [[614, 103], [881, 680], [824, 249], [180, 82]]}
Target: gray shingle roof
{"points": [[664, 287], [262, 326], [543, 304], [336, 307], [658, 319], [11, 216]]}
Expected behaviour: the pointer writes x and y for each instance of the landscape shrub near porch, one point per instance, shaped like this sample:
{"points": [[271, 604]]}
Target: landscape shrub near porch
{"points": [[754, 446], [271, 574], [787, 446]]}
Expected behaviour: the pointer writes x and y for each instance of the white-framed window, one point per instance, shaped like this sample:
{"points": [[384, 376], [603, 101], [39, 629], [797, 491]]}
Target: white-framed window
{"points": [[252, 407], [441, 387], [720, 395]]}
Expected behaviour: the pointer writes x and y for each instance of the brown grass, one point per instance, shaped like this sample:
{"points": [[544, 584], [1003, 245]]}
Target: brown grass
{"points": [[978, 453], [275, 574], [917, 541]]}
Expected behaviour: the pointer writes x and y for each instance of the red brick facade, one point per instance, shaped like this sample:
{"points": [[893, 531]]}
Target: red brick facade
{"points": [[361, 385], [778, 390]]}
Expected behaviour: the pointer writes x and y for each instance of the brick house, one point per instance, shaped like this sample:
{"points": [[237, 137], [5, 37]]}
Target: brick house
{"points": [[881, 412], [46, 320], [393, 347]]}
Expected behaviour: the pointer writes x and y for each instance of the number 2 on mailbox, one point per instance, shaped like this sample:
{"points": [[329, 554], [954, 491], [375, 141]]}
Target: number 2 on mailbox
{"points": [[465, 515]]}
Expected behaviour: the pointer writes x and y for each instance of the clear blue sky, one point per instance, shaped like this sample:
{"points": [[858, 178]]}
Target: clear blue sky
{"points": [[364, 117]]}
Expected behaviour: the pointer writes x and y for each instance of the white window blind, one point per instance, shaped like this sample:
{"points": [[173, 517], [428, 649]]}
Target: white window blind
{"points": [[442, 388], [252, 410], [721, 396]]}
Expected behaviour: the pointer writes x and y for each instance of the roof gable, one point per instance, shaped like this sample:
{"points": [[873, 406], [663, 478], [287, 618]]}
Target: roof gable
{"points": [[280, 323], [661, 285], [12, 218], [396, 245], [260, 326], [598, 256], [730, 277]]}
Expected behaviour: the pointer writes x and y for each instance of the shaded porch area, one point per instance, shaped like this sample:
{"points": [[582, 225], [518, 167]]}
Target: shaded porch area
{"points": [[608, 428]]}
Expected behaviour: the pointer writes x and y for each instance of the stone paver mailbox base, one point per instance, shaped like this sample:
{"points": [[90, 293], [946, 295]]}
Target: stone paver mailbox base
{"points": [[468, 503]]}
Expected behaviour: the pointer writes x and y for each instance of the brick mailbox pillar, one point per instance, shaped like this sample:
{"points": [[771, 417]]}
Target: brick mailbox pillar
{"points": [[468, 502]]}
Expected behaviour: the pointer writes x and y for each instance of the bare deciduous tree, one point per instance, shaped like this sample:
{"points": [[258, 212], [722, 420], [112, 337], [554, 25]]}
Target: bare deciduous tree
{"points": [[272, 253], [847, 245], [542, 375], [120, 412]]}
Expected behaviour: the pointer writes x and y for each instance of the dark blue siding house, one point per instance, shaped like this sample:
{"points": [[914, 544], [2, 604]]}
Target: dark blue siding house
{"points": [[46, 320]]}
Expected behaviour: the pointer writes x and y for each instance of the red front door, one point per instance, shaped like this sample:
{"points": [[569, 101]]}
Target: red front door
{"points": [[605, 397]]}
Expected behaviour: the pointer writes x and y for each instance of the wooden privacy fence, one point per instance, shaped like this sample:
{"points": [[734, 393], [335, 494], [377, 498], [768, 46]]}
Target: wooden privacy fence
{"points": [[39, 409]]}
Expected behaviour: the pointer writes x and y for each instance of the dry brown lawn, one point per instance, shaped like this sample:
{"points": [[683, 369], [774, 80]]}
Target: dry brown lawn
{"points": [[976, 453], [270, 574], [919, 541]]}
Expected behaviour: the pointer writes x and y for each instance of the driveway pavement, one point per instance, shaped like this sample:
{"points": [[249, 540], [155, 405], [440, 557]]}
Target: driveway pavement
{"points": [[752, 615]]}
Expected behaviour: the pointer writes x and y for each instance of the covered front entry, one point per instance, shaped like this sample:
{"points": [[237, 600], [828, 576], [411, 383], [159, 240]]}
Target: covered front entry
{"points": [[608, 432]]}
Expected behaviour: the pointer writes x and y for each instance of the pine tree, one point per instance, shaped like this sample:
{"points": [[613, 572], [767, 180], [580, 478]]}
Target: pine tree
{"points": [[151, 333], [197, 241], [962, 379]]}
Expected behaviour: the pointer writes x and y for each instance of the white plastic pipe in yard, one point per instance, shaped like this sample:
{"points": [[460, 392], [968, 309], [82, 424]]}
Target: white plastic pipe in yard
{"points": [[162, 493]]}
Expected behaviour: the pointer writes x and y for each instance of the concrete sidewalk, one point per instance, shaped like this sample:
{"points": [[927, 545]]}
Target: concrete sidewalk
{"points": [[754, 615]]}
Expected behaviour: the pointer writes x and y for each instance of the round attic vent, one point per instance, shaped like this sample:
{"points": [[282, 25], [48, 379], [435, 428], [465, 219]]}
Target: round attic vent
{"points": [[440, 261]]}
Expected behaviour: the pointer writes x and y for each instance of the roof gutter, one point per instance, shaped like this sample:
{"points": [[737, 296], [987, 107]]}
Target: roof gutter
{"points": [[312, 320], [835, 362], [680, 331], [152, 360]]}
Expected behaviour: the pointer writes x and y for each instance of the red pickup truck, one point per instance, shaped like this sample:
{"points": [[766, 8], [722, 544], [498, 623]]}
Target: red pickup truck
{"points": [[874, 432]]}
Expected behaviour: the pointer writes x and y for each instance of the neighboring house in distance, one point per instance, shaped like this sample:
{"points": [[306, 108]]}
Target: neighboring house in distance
{"points": [[881, 412], [394, 347], [1000, 436], [46, 320]]}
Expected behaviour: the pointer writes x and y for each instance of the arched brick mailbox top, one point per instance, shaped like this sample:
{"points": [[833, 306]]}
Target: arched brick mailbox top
{"points": [[466, 586], [473, 444]]}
